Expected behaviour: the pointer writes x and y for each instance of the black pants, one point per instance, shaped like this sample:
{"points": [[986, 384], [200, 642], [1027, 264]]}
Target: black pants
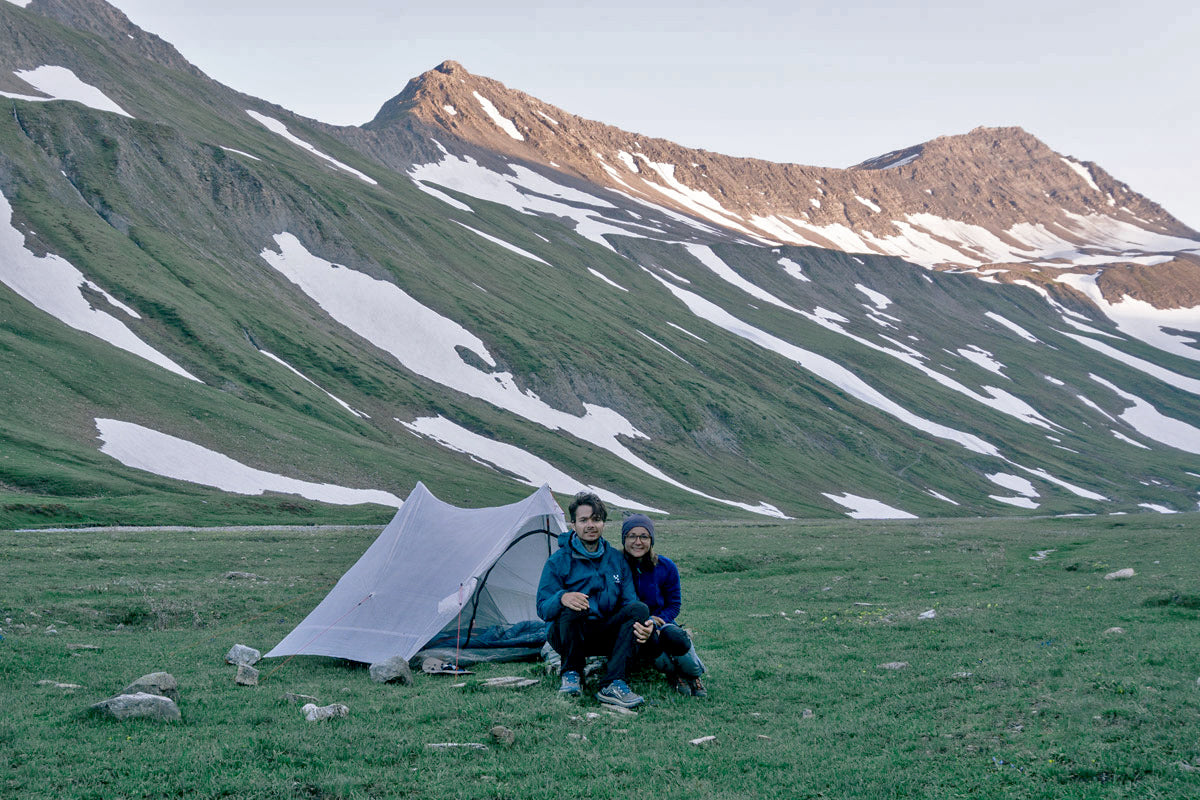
{"points": [[575, 636]]}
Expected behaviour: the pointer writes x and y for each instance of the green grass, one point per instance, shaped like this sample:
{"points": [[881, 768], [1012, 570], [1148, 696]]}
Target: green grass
{"points": [[1014, 690]]}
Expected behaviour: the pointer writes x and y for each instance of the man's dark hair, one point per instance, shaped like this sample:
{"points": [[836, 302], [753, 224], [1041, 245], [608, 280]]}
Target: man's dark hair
{"points": [[587, 499]]}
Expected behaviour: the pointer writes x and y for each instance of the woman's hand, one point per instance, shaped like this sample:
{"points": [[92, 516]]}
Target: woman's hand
{"points": [[642, 630]]}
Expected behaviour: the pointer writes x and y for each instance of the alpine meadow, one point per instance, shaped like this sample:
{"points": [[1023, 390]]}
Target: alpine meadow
{"points": [[922, 434]]}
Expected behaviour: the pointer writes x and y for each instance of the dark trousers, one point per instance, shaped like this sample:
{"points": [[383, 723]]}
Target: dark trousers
{"points": [[575, 636]]}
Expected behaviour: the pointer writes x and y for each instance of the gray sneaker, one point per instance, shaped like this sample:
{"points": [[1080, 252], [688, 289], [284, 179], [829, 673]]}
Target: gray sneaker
{"points": [[618, 693], [570, 684]]}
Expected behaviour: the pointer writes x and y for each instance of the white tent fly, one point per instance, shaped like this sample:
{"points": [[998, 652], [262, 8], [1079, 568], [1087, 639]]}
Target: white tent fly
{"points": [[435, 567]]}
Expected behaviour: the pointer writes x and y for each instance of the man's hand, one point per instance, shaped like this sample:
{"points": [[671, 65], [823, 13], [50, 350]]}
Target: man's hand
{"points": [[575, 601], [642, 630]]}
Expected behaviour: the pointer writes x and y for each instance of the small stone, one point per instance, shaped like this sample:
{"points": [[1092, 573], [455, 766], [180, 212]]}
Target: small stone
{"points": [[510, 682], [1115, 631], [703, 740], [315, 713], [807, 714], [764, 737], [160, 683], [50, 631], [930, 614], [1120, 574], [246, 675], [141, 705], [961, 675], [299, 698], [241, 654], [394, 670], [465, 745], [82, 647], [577, 736], [894, 665], [57, 685], [618, 711], [243, 576], [1186, 767], [502, 735]]}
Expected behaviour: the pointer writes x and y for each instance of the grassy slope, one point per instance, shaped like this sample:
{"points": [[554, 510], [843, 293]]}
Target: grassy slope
{"points": [[788, 616]]}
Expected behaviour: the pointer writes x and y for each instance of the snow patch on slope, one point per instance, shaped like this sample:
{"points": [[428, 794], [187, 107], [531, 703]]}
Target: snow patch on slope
{"points": [[529, 469], [54, 285], [278, 128], [504, 123], [336, 399], [62, 84], [1153, 424], [1140, 320], [171, 457], [866, 508]]}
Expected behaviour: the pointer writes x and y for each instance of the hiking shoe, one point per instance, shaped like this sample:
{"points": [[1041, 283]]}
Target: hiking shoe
{"points": [[697, 687], [676, 683], [618, 693], [570, 684]]}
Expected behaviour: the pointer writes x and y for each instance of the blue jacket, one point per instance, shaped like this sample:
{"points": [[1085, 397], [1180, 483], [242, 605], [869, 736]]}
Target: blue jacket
{"points": [[659, 589], [603, 576]]}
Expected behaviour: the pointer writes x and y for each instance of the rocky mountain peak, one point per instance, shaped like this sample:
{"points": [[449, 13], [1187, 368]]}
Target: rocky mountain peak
{"points": [[994, 195]]}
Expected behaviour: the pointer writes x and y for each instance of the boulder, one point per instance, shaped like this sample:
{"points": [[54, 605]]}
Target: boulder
{"points": [[246, 675], [160, 683], [140, 705], [241, 654], [394, 670]]}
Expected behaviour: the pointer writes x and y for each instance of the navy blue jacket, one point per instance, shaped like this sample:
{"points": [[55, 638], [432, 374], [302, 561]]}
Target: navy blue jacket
{"points": [[603, 576], [659, 589]]}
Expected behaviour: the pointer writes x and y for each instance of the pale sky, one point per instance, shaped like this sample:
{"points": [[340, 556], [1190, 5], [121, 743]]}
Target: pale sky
{"points": [[811, 83]]}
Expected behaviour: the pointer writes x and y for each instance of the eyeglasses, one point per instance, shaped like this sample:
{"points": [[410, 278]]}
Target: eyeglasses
{"points": [[638, 537]]}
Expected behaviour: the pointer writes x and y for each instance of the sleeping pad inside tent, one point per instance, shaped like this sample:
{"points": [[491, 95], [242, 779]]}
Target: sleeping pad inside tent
{"points": [[438, 573]]}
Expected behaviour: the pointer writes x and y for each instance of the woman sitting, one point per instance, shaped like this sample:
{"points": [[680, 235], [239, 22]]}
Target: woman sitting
{"points": [[657, 582]]}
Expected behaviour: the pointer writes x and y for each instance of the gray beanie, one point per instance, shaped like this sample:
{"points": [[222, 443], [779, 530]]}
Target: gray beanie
{"points": [[637, 521]]}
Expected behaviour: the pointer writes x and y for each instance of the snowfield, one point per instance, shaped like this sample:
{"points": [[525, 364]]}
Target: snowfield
{"points": [[62, 84], [171, 457]]}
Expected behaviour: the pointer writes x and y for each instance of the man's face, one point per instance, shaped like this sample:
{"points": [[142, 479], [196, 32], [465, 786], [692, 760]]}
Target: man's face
{"points": [[588, 526]]}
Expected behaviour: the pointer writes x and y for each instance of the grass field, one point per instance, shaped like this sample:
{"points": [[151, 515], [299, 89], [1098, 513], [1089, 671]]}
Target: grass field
{"points": [[1017, 688]]}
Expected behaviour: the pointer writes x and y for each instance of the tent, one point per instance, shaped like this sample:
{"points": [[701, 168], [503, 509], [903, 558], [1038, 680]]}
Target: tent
{"points": [[434, 569]]}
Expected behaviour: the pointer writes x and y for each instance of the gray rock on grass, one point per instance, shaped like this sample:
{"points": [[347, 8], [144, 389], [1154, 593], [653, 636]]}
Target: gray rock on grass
{"points": [[315, 713], [140, 705], [299, 698], [394, 670], [160, 683], [246, 675], [241, 654], [894, 665], [502, 735], [1120, 575]]}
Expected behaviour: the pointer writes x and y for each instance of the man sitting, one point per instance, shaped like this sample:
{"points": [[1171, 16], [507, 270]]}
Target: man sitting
{"points": [[587, 596]]}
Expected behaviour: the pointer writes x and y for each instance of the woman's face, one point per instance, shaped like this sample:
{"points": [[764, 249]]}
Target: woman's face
{"points": [[637, 542]]}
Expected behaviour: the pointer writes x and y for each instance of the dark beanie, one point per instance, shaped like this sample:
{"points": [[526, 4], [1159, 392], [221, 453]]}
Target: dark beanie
{"points": [[637, 521]]}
